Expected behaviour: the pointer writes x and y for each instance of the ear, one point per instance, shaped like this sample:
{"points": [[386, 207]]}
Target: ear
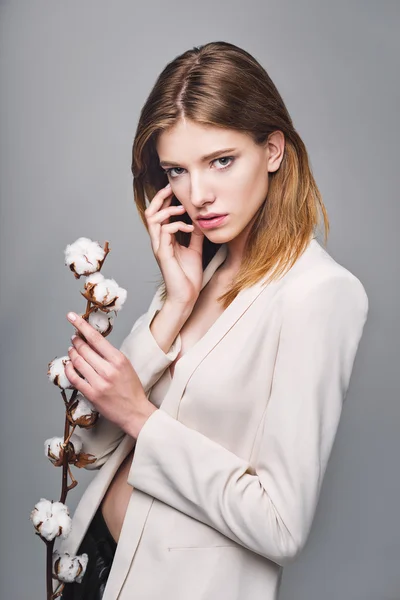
{"points": [[275, 147]]}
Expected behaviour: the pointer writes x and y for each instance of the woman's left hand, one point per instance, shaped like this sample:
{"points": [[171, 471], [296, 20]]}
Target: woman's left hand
{"points": [[112, 384]]}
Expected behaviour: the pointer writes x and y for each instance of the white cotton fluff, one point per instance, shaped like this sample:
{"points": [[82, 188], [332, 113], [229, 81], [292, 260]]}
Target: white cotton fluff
{"points": [[108, 292], [49, 529], [56, 373], [42, 511], [52, 448], [93, 279], [120, 300], [84, 407], [76, 442], [51, 519], [100, 321], [84, 256], [67, 568]]}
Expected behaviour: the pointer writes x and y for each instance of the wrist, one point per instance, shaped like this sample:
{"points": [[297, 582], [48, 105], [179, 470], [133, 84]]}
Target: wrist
{"points": [[167, 323], [178, 312], [135, 425]]}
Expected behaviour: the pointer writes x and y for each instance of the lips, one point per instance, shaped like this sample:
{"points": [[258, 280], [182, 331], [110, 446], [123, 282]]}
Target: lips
{"points": [[211, 222], [210, 216]]}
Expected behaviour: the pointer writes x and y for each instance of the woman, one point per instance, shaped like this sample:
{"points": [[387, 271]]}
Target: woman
{"points": [[220, 409]]}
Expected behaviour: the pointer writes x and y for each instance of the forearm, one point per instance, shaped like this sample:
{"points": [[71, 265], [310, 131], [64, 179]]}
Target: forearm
{"points": [[168, 322]]}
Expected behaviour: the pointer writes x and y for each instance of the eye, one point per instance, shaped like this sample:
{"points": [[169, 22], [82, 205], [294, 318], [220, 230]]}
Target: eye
{"points": [[225, 166], [169, 171], [222, 158]]}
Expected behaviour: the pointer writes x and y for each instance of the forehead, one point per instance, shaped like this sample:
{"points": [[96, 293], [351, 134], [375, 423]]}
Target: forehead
{"points": [[187, 138]]}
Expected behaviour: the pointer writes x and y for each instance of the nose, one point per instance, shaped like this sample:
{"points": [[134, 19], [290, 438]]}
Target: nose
{"points": [[200, 192]]}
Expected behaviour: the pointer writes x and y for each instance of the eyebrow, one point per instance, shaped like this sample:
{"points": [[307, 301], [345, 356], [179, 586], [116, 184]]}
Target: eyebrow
{"points": [[164, 163]]}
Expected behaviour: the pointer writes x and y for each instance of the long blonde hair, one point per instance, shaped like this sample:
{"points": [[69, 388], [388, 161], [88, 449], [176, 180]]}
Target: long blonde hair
{"points": [[222, 85]]}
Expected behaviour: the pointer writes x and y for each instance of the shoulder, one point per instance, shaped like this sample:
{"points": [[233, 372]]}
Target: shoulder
{"points": [[317, 277]]}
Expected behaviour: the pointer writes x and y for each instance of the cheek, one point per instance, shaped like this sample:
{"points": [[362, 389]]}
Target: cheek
{"points": [[253, 188], [241, 191]]}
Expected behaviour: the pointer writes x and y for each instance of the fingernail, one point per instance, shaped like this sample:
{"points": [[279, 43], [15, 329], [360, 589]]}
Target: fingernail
{"points": [[73, 337], [71, 316], [69, 348], [167, 186]]}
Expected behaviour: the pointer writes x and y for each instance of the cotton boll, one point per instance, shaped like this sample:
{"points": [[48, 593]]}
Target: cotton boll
{"points": [[52, 448], [100, 321], [109, 295], [65, 568], [69, 568], [51, 519], [56, 373], [105, 291], [82, 412], [84, 256]]}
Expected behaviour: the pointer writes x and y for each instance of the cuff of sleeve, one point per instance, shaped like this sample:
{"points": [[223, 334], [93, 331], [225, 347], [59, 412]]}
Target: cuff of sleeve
{"points": [[146, 356], [157, 428], [153, 348]]}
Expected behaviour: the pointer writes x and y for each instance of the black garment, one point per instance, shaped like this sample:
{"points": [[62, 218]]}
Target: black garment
{"points": [[100, 547]]}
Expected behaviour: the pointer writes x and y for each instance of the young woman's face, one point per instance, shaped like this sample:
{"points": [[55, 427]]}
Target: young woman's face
{"points": [[232, 182]]}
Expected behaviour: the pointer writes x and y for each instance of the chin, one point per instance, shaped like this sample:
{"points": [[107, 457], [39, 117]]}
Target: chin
{"points": [[219, 238], [220, 235]]}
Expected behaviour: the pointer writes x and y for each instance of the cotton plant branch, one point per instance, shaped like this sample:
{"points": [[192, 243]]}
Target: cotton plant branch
{"points": [[51, 519]]}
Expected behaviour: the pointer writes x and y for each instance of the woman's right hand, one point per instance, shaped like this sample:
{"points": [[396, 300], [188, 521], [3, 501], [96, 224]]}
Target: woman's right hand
{"points": [[181, 267]]}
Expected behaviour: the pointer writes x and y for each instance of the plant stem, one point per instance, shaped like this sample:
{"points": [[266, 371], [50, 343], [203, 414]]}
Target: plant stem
{"points": [[49, 569], [58, 591], [64, 489]]}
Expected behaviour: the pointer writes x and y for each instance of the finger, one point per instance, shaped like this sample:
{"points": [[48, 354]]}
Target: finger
{"points": [[76, 380], [196, 240], [157, 202], [165, 213], [159, 218], [83, 367], [166, 237], [94, 338], [171, 228], [97, 362]]}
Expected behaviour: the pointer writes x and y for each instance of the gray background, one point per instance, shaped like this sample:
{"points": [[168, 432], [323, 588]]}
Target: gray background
{"points": [[74, 76]]}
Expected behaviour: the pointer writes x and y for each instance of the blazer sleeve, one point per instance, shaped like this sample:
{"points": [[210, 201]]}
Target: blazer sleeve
{"points": [[149, 362], [267, 506]]}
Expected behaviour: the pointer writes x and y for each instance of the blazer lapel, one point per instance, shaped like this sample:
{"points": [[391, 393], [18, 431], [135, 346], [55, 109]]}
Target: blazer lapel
{"points": [[191, 359]]}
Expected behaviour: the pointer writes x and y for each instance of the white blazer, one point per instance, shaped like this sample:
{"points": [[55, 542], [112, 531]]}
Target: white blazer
{"points": [[226, 476]]}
